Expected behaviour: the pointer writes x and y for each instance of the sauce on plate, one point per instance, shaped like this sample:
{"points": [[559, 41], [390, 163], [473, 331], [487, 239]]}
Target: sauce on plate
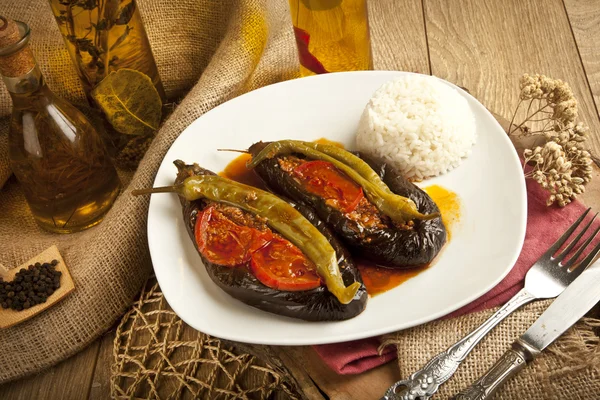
{"points": [[236, 170], [379, 279], [331, 142]]}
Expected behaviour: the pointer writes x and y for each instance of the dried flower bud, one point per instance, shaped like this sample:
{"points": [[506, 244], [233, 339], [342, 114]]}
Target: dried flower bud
{"points": [[561, 165], [577, 180]]}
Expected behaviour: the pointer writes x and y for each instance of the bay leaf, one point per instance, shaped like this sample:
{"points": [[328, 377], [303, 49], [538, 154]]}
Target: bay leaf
{"points": [[129, 101], [111, 8], [125, 13], [321, 5]]}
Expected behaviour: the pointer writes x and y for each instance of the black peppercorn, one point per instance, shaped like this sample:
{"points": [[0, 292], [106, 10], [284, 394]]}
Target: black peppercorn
{"points": [[30, 286]]}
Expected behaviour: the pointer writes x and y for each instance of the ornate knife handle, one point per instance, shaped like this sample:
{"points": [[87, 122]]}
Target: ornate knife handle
{"points": [[511, 362], [426, 381]]}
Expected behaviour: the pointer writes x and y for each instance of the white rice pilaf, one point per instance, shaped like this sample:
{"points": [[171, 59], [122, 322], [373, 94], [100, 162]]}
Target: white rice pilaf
{"points": [[418, 124]]}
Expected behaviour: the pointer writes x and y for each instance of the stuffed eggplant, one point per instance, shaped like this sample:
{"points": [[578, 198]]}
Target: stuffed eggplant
{"points": [[379, 214], [266, 252]]}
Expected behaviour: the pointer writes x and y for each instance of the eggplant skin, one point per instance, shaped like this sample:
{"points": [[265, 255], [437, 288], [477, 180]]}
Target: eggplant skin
{"points": [[391, 247], [311, 305]]}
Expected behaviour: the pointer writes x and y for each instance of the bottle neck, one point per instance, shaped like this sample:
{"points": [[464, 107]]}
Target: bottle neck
{"points": [[27, 83]]}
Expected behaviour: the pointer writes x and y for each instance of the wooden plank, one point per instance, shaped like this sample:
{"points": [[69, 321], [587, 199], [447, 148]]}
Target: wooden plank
{"points": [[282, 361], [100, 386], [584, 16], [368, 385], [299, 373], [486, 45], [68, 380], [398, 35]]}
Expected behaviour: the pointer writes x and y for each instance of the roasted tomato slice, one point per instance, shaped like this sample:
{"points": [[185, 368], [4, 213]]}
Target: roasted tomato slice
{"points": [[325, 180], [225, 243], [281, 265], [275, 261]]}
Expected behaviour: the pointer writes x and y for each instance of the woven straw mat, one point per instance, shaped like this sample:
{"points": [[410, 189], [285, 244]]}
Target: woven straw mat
{"points": [[157, 356]]}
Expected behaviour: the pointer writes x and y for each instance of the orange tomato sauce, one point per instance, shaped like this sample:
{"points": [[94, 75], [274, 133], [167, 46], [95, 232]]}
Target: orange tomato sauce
{"points": [[236, 170], [377, 279]]}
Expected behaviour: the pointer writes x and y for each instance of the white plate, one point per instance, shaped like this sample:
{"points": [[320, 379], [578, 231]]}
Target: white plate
{"points": [[481, 252]]}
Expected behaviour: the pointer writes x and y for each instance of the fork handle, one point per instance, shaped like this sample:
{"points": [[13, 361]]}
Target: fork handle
{"points": [[461, 349], [426, 381]]}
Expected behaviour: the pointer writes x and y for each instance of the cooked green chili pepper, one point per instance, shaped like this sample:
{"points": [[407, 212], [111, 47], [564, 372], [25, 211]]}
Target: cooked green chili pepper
{"points": [[281, 216], [400, 209], [355, 162]]}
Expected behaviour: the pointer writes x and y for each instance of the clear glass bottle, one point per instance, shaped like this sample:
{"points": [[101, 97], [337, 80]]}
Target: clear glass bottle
{"points": [[56, 154], [332, 35], [104, 36]]}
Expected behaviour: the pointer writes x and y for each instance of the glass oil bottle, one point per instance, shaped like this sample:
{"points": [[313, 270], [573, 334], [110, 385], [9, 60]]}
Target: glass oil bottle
{"points": [[105, 36], [331, 35], [55, 153]]}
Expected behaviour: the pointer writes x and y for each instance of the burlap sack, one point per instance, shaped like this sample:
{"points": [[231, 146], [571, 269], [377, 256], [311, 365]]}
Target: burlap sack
{"points": [[224, 47], [4, 168]]}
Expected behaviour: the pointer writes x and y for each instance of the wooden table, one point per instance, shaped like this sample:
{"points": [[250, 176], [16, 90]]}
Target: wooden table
{"points": [[483, 45]]}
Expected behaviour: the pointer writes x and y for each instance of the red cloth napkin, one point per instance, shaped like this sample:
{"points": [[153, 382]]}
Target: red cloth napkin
{"points": [[544, 227]]}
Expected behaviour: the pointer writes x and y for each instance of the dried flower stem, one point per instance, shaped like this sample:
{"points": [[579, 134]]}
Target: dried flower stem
{"points": [[560, 164], [528, 118]]}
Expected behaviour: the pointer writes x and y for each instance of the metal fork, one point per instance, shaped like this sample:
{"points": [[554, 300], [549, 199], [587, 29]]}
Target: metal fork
{"points": [[546, 279]]}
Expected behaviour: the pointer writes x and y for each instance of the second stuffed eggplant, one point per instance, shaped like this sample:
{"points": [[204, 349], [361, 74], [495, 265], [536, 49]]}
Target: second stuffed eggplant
{"points": [[379, 214]]}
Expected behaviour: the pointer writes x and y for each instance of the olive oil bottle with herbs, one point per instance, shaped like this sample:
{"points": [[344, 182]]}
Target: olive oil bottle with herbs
{"points": [[105, 37], [56, 154]]}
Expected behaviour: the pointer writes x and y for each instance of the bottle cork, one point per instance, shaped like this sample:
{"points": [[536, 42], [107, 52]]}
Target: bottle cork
{"points": [[21, 60]]}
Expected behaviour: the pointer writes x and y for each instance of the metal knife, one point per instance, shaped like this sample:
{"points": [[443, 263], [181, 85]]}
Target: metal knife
{"points": [[577, 299]]}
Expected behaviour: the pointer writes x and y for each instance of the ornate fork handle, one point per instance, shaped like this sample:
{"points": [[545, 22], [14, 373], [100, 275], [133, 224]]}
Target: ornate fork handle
{"points": [[506, 367], [426, 381]]}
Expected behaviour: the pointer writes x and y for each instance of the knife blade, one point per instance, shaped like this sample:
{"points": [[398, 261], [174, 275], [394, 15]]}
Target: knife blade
{"points": [[572, 304], [577, 299]]}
